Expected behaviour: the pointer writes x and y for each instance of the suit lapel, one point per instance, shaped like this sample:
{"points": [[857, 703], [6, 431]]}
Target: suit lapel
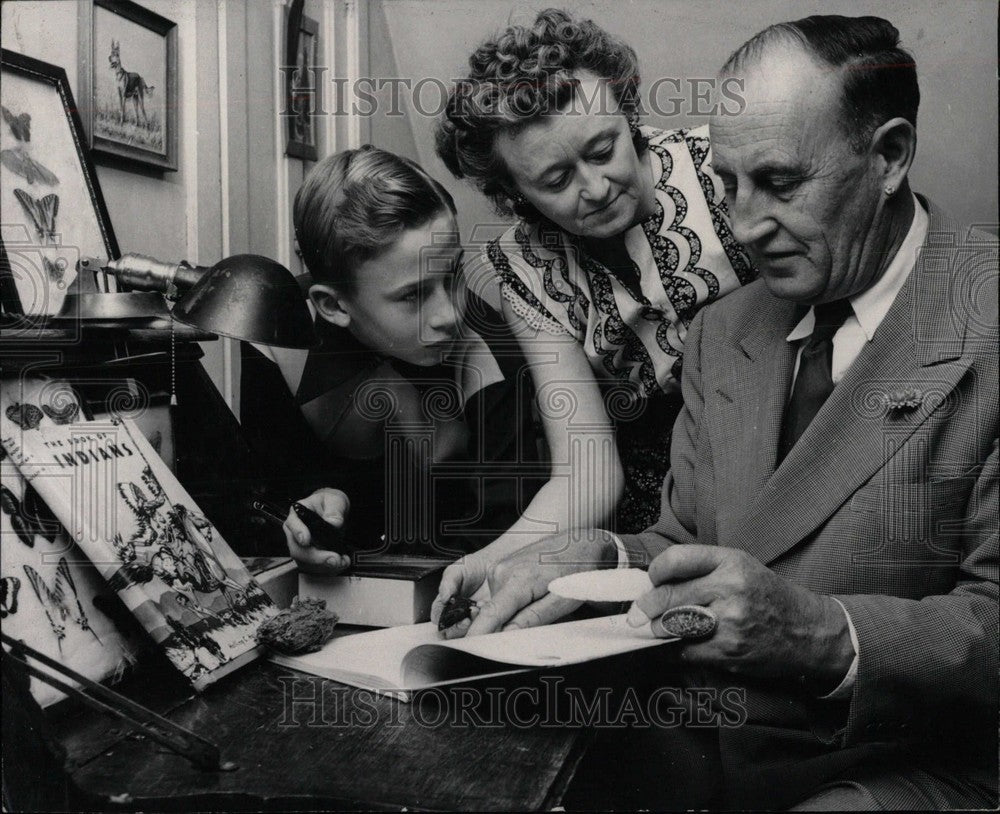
{"points": [[855, 434], [757, 373]]}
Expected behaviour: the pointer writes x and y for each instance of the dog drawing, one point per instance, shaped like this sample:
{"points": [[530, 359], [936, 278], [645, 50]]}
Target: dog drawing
{"points": [[131, 86]]}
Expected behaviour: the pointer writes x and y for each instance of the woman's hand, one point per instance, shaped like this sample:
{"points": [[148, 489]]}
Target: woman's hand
{"points": [[332, 505], [519, 584], [464, 577]]}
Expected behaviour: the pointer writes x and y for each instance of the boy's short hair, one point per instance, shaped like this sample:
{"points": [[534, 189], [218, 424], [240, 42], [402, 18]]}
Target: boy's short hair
{"points": [[354, 204]]}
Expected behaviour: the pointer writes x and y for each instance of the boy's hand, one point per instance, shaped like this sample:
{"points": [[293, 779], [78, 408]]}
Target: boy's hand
{"points": [[332, 505]]}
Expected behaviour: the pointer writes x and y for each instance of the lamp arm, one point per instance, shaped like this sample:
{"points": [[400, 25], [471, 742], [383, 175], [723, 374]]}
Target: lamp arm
{"points": [[139, 272]]}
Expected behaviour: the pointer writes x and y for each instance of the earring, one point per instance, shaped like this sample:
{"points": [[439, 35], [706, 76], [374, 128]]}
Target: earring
{"points": [[518, 200], [889, 190], [632, 117]]}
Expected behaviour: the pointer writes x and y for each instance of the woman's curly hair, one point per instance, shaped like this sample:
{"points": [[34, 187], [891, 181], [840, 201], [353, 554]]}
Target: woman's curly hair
{"points": [[518, 76]]}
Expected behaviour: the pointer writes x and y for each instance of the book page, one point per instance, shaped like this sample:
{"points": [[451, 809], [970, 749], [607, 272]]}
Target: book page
{"points": [[413, 657], [373, 659], [559, 644]]}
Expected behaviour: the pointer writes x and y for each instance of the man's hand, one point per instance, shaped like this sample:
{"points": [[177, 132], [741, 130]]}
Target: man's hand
{"points": [[519, 583], [332, 505], [768, 626]]}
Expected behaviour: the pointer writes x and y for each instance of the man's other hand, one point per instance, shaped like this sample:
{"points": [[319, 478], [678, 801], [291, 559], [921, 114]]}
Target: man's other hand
{"points": [[767, 626]]}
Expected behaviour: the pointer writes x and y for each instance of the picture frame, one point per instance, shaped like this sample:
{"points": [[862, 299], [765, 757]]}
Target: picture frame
{"points": [[302, 87], [127, 75], [54, 210]]}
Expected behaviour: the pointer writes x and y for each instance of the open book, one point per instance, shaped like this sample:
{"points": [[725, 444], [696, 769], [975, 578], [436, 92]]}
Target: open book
{"points": [[398, 661]]}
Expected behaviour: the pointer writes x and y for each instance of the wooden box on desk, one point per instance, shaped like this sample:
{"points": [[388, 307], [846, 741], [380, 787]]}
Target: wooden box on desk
{"points": [[276, 575], [381, 590]]}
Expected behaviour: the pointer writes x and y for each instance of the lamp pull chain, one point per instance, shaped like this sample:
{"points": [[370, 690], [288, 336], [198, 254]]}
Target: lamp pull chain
{"points": [[173, 363]]}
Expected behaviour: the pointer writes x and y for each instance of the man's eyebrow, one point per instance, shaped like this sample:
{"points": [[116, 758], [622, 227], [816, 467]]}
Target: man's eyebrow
{"points": [[776, 168], [766, 168], [601, 135], [720, 168]]}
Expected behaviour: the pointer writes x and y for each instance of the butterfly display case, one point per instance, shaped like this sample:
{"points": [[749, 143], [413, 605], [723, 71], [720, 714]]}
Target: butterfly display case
{"points": [[69, 326], [54, 214], [61, 314]]}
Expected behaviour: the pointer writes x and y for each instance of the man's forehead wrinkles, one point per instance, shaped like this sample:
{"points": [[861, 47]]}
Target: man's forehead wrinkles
{"points": [[755, 140], [764, 106], [769, 132]]}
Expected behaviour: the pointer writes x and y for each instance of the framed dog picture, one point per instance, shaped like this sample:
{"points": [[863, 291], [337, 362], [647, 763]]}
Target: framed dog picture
{"points": [[302, 85], [53, 210], [128, 83]]}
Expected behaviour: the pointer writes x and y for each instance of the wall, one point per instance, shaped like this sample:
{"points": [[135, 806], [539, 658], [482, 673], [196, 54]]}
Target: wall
{"points": [[148, 214], [232, 191], [954, 43]]}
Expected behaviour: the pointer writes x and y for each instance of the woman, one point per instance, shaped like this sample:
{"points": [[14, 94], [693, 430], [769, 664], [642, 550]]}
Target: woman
{"points": [[622, 237], [425, 428]]}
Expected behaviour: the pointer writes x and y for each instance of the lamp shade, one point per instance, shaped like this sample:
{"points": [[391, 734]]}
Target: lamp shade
{"points": [[249, 297]]}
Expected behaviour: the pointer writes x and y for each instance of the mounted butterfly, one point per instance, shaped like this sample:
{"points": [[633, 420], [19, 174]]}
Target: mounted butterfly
{"points": [[53, 210]]}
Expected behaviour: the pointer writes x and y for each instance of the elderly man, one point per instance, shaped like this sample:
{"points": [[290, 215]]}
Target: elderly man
{"points": [[833, 491]]}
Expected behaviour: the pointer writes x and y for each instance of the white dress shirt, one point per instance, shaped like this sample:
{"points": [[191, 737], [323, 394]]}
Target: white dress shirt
{"points": [[870, 306], [869, 309]]}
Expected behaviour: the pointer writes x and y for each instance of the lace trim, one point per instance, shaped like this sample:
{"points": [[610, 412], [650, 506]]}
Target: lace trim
{"points": [[540, 322]]}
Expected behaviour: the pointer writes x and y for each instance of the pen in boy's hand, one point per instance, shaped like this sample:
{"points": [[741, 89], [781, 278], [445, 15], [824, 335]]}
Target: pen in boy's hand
{"points": [[269, 511], [322, 534]]}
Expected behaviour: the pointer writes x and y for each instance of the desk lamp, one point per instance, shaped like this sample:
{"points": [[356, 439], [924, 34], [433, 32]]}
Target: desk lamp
{"points": [[252, 298], [246, 297]]}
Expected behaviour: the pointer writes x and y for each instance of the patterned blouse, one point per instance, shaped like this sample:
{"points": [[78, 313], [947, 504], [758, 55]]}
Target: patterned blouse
{"points": [[684, 256]]}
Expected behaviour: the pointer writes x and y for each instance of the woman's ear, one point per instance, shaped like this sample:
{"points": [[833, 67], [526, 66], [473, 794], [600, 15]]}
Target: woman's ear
{"points": [[896, 144], [329, 304]]}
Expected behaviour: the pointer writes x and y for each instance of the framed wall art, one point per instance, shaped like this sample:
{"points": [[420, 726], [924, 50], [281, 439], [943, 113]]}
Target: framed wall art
{"points": [[128, 83], [301, 84], [53, 209]]}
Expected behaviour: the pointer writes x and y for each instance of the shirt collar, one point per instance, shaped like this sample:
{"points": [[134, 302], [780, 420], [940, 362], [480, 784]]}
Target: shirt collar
{"points": [[871, 305]]}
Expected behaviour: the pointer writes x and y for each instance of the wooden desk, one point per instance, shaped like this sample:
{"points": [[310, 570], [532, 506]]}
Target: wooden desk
{"points": [[343, 749]]}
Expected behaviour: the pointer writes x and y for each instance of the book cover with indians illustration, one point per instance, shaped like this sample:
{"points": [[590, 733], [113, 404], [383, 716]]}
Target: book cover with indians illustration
{"points": [[146, 536]]}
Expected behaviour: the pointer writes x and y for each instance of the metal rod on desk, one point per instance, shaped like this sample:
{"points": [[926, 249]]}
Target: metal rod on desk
{"points": [[201, 752]]}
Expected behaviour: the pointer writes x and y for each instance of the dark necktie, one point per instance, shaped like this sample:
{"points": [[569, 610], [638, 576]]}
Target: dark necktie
{"points": [[814, 381]]}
